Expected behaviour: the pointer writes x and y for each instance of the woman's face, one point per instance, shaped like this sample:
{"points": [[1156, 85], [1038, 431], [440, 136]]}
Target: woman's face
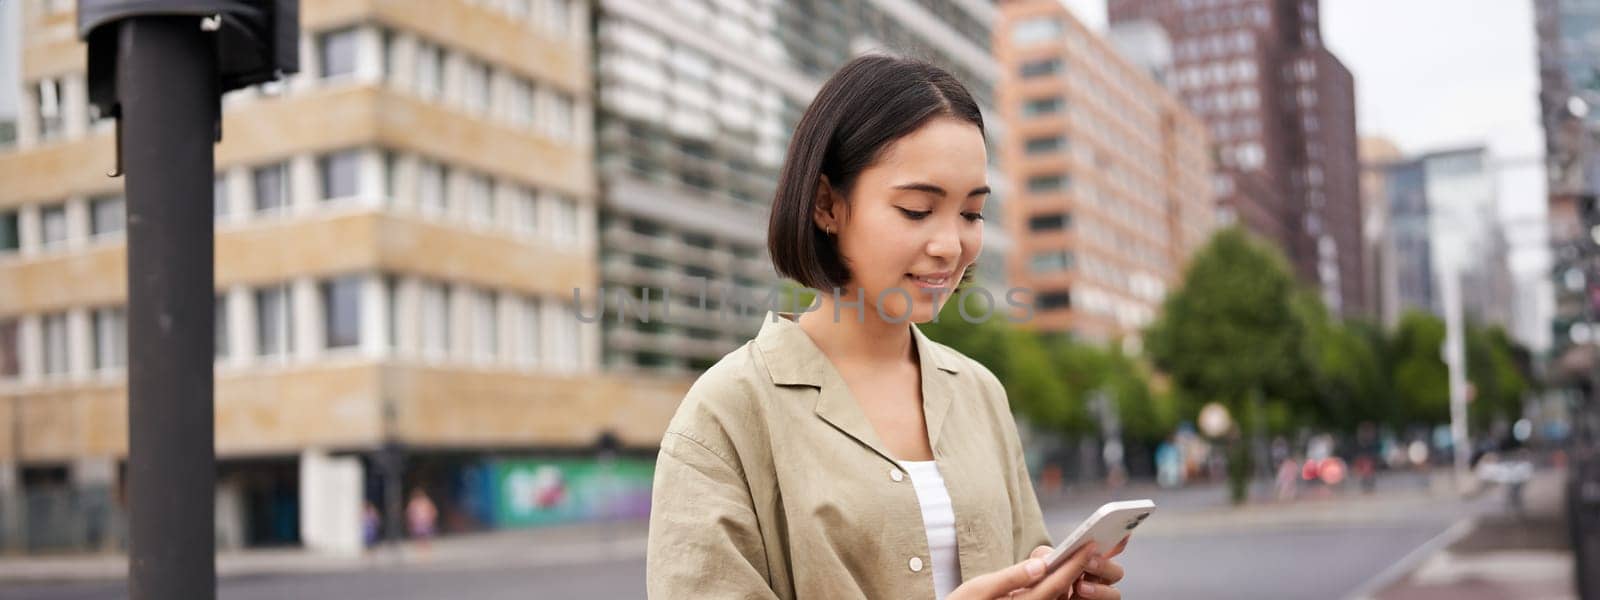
{"points": [[914, 220]]}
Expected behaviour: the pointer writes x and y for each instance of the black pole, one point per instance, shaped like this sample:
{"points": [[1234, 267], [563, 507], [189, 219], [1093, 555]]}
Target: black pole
{"points": [[166, 75]]}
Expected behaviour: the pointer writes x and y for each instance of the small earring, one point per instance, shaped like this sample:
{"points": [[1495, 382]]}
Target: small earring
{"points": [[829, 229]]}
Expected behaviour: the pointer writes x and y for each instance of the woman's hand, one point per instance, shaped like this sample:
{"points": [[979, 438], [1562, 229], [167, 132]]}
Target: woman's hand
{"points": [[1027, 580], [1100, 576]]}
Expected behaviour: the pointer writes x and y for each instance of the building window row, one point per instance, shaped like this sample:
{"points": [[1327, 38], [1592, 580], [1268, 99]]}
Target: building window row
{"points": [[306, 183], [1051, 261], [57, 108], [308, 319], [561, 19], [436, 72]]}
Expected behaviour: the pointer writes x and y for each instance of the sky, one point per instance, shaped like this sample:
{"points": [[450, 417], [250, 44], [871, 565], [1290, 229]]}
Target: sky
{"points": [[1438, 74]]}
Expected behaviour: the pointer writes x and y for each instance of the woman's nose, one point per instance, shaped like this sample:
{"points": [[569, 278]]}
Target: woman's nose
{"points": [[946, 241]]}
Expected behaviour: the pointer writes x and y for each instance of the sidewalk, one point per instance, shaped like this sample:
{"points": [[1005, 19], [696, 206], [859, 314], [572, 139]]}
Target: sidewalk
{"points": [[556, 545], [1496, 556]]}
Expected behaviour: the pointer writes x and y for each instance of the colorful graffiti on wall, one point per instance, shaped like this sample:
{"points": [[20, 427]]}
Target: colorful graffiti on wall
{"points": [[536, 492]]}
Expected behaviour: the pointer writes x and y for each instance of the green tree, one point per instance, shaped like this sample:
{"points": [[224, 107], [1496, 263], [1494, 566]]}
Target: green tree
{"points": [[1495, 376], [1421, 380], [1229, 333], [1348, 383]]}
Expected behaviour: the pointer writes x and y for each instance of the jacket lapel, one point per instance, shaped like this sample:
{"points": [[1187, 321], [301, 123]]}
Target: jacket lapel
{"points": [[937, 389], [793, 359]]}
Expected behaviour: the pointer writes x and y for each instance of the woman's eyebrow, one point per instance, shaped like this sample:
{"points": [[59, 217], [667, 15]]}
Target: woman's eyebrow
{"points": [[936, 190]]}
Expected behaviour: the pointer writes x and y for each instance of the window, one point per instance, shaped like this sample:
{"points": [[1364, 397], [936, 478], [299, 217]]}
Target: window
{"points": [[1250, 156], [486, 323], [110, 338], [475, 85], [1307, 97], [431, 197], [698, 240], [50, 110], [1035, 30], [529, 347], [53, 226], [1054, 299], [1042, 106], [526, 205], [1048, 184], [429, 70], [341, 312], [516, 9], [1051, 261], [274, 321], [219, 196], [1046, 145], [391, 295], [106, 215], [1049, 222], [566, 336], [566, 218], [219, 312], [1221, 185], [559, 124], [435, 316], [10, 236], [557, 16], [10, 354], [271, 188], [1040, 68], [55, 343], [521, 102], [340, 174], [336, 53], [1247, 99], [480, 198]]}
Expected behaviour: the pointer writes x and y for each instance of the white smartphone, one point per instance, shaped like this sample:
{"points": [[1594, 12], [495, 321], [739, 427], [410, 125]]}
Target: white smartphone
{"points": [[1106, 527]]}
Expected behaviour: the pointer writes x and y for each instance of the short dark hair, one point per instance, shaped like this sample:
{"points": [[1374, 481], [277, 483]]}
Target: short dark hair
{"points": [[869, 103]]}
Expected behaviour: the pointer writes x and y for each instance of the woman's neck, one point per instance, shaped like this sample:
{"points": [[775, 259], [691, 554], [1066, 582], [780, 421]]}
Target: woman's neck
{"points": [[859, 334]]}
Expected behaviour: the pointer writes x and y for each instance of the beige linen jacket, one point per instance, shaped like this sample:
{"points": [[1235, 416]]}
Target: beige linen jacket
{"points": [[772, 483]]}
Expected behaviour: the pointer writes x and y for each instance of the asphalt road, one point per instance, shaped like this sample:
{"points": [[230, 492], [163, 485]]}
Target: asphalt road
{"points": [[1202, 560]]}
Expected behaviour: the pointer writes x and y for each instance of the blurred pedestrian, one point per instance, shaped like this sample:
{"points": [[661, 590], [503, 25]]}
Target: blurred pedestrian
{"points": [[1287, 482], [371, 524], [421, 517]]}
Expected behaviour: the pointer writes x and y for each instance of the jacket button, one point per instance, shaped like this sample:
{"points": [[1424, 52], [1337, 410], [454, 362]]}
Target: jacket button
{"points": [[896, 475], [916, 564]]}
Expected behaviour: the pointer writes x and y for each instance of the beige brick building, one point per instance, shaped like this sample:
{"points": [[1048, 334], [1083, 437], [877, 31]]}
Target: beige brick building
{"points": [[1110, 175], [400, 228]]}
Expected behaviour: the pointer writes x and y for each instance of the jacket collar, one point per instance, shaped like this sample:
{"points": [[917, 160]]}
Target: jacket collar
{"points": [[793, 359]]}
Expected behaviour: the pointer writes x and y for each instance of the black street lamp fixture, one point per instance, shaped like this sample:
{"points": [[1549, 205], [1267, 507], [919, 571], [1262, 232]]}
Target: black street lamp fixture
{"points": [[160, 68]]}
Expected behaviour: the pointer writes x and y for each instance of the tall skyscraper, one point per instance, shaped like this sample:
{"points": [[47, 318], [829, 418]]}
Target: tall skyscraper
{"points": [[1569, 101], [399, 229], [1377, 227], [696, 102], [1281, 111], [1443, 220], [1110, 175]]}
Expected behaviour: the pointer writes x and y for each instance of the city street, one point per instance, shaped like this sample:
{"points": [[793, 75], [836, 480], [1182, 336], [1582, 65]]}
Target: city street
{"points": [[1196, 548]]}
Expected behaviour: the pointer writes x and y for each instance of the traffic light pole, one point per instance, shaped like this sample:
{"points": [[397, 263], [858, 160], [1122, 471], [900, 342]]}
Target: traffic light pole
{"points": [[167, 77]]}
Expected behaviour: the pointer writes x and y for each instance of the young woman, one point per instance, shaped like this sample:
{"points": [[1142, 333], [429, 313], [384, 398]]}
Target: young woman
{"points": [[841, 453]]}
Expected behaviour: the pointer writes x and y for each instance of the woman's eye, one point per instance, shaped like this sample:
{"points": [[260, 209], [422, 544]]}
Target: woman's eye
{"points": [[916, 215], [973, 216]]}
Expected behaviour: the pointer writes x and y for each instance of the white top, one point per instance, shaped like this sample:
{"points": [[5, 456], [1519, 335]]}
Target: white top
{"points": [[939, 521]]}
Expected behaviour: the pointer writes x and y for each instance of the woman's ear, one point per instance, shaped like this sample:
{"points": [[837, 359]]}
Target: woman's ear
{"points": [[826, 207]]}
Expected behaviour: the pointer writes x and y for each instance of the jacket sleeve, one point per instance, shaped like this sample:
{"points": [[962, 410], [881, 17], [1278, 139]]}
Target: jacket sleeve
{"points": [[1028, 529], [704, 541]]}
